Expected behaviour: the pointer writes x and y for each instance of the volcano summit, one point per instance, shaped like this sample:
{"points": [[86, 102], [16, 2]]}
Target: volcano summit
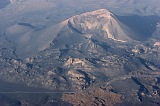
{"points": [[95, 58]]}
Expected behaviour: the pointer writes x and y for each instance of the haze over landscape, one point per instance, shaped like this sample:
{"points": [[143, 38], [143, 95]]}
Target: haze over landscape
{"points": [[81, 53]]}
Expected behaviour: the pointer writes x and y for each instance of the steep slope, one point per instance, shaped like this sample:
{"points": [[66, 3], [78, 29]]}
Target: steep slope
{"points": [[100, 23], [81, 30]]}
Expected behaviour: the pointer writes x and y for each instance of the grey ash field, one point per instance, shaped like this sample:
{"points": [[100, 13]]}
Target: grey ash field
{"points": [[81, 53]]}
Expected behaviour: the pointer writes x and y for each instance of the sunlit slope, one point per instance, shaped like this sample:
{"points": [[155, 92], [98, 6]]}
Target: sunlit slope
{"points": [[97, 25]]}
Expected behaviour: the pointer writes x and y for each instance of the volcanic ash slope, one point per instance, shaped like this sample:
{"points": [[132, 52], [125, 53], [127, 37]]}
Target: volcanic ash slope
{"points": [[84, 30], [98, 25]]}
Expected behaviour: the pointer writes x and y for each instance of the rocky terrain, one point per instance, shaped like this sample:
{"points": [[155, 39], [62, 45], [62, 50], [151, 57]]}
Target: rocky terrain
{"points": [[97, 55]]}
